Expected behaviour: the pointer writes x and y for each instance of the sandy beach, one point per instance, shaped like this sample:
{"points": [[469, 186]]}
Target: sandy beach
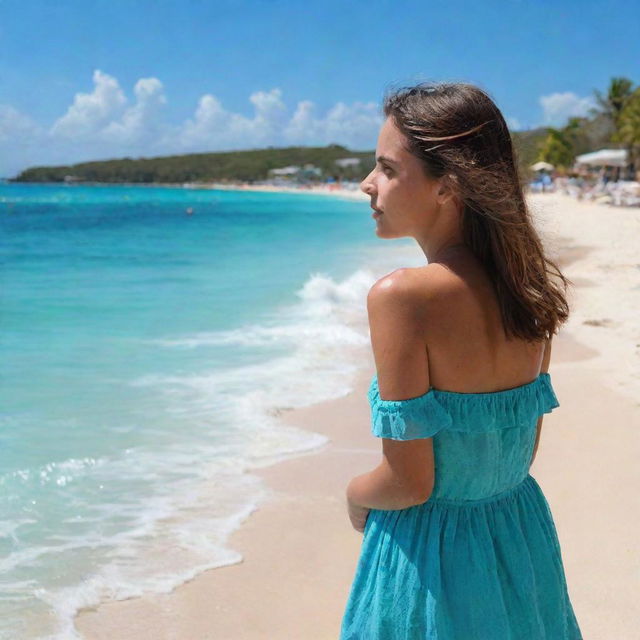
{"points": [[334, 190], [299, 549]]}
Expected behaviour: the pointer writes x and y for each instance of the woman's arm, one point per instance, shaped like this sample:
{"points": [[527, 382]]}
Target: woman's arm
{"points": [[396, 310], [385, 488]]}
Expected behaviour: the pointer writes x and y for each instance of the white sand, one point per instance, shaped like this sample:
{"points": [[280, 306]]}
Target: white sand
{"points": [[606, 304], [322, 190]]}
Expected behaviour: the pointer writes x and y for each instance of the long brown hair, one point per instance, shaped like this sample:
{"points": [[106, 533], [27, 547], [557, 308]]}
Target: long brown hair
{"points": [[458, 132]]}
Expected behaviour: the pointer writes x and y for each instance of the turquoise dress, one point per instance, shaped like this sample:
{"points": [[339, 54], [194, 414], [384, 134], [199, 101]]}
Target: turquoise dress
{"points": [[480, 559]]}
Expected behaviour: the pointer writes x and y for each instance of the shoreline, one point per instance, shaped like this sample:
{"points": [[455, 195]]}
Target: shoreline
{"points": [[354, 194], [299, 550], [333, 190]]}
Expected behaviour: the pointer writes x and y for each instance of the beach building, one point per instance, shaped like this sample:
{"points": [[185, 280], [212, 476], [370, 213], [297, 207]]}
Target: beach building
{"points": [[345, 163], [294, 173], [285, 172]]}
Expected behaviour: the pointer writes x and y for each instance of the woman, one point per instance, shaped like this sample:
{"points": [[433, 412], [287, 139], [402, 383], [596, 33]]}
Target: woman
{"points": [[459, 542]]}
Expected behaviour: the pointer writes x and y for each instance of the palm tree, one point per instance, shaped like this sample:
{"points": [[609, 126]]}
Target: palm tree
{"points": [[628, 131], [620, 89]]}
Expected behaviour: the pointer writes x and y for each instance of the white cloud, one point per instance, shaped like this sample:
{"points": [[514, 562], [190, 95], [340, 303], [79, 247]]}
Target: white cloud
{"points": [[90, 112], [212, 127], [558, 107], [354, 126], [303, 124], [352, 123], [21, 139], [210, 119], [142, 122], [271, 113], [14, 124], [103, 124]]}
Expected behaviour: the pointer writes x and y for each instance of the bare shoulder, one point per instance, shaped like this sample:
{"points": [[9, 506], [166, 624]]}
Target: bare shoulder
{"points": [[414, 286], [399, 307], [412, 302]]}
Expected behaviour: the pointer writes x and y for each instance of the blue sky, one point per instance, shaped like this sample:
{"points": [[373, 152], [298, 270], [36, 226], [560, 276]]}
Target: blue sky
{"points": [[102, 79]]}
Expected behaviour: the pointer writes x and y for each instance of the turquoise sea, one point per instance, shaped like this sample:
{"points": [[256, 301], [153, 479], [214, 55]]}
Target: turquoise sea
{"points": [[145, 352]]}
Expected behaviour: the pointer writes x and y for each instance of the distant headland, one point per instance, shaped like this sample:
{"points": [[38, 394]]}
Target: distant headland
{"points": [[273, 165]]}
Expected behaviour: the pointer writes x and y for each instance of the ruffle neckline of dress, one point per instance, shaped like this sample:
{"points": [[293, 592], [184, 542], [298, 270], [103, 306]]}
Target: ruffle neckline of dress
{"points": [[460, 411]]}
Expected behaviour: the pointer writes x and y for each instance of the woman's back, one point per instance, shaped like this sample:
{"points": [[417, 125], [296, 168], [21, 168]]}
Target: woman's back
{"points": [[486, 393], [468, 350]]}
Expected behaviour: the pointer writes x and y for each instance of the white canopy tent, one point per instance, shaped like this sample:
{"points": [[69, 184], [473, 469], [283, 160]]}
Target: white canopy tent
{"points": [[604, 158], [542, 166]]}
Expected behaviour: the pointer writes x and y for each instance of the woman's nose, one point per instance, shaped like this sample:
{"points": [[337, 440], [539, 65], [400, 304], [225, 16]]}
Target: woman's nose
{"points": [[366, 186]]}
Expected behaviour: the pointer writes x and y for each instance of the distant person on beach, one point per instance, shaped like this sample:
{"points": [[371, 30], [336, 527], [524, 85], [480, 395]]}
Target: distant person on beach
{"points": [[459, 540]]}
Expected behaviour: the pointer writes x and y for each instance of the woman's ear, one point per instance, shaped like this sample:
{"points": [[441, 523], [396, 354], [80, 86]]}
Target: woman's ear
{"points": [[446, 189]]}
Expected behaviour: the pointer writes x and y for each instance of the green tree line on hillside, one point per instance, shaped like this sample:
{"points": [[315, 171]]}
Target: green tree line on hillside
{"points": [[230, 166]]}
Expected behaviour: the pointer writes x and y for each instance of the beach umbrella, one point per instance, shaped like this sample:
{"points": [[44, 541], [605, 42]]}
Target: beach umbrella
{"points": [[540, 166], [604, 158]]}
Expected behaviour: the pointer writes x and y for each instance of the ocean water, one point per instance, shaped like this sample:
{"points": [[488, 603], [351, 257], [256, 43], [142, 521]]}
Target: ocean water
{"points": [[145, 355]]}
